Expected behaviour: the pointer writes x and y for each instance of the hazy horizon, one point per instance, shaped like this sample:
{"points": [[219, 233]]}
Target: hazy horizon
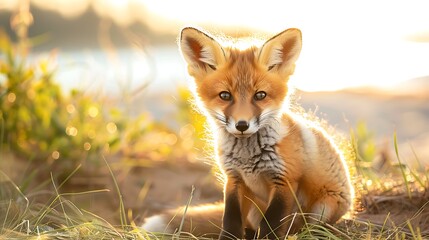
{"points": [[352, 46]]}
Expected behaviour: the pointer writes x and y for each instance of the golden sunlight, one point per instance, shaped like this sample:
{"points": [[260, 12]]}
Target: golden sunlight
{"points": [[346, 44]]}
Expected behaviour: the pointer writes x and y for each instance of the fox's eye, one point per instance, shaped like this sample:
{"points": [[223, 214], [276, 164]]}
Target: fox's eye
{"points": [[260, 95], [226, 96]]}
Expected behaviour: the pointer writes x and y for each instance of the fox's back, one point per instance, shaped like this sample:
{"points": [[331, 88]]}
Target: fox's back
{"points": [[314, 160]]}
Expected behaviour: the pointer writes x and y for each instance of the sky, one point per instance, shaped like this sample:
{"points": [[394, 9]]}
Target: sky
{"points": [[345, 43]]}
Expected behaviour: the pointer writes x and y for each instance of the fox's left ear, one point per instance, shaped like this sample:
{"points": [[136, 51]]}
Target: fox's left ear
{"points": [[201, 51], [281, 51]]}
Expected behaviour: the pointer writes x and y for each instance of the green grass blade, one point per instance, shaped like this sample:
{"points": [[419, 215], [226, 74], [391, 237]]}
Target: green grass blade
{"points": [[69, 176], [384, 225], [411, 229], [122, 214], [404, 175], [298, 204], [263, 215], [420, 166], [60, 200], [177, 235]]}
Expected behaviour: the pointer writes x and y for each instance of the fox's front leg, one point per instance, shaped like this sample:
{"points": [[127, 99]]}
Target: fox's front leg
{"points": [[232, 224], [279, 207]]}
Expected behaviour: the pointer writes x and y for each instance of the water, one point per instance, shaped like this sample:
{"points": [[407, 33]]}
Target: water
{"points": [[158, 69]]}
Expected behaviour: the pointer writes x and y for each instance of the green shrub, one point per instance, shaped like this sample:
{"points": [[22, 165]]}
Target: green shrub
{"points": [[41, 123]]}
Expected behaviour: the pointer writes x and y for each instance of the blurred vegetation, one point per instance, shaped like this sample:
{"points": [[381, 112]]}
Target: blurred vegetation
{"points": [[41, 123], [197, 127], [365, 150], [56, 131], [379, 170]]}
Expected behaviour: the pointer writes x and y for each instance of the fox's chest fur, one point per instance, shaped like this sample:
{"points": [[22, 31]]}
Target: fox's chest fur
{"points": [[255, 159]]}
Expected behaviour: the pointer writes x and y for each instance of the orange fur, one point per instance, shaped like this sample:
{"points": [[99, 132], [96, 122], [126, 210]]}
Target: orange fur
{"points": [[275, 163]]}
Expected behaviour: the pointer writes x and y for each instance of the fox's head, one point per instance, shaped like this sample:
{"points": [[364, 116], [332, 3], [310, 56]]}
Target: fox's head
{"points": [[242, 89]]}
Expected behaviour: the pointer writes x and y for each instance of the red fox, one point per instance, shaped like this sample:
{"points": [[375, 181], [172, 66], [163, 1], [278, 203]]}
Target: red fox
{"points": [[275, 163]]}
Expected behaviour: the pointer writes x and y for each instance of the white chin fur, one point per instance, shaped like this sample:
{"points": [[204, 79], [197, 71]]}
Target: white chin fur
{"points": [[253, 128]]}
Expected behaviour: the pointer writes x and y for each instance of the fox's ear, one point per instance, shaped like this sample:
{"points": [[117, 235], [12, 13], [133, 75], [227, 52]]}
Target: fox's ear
{"points": [[281, 51], [202, 52]]}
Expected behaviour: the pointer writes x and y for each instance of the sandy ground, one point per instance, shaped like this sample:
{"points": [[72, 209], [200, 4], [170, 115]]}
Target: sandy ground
{"points": [[149, 190], [167, 185]]}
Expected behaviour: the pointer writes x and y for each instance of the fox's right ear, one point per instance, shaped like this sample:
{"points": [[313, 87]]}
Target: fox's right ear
{"points": [[202, 52]]}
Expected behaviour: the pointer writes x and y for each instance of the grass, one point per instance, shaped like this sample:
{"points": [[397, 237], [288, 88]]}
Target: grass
{"points": [[21, 216], [61, 218], [28, 210]]}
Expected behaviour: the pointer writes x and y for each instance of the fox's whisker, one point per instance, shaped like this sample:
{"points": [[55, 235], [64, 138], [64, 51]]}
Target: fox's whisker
{"points": [[267, 117], [219, 117]]}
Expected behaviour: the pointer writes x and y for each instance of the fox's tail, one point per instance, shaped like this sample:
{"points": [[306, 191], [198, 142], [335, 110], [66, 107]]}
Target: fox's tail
{"points": [[203, 220]]}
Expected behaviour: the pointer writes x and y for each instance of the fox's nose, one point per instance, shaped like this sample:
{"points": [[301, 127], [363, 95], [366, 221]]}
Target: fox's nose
{"points": [[242, 126]]}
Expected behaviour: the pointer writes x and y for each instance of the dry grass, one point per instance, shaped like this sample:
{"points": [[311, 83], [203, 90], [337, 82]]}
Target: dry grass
{"points": [[388, 206]]}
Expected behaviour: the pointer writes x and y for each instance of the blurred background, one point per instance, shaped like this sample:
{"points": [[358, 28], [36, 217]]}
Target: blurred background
{"points": [[94, 93]]}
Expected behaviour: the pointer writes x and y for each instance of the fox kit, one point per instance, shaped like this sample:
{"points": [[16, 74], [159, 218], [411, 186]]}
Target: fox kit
{"points": [[275, 163]]}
